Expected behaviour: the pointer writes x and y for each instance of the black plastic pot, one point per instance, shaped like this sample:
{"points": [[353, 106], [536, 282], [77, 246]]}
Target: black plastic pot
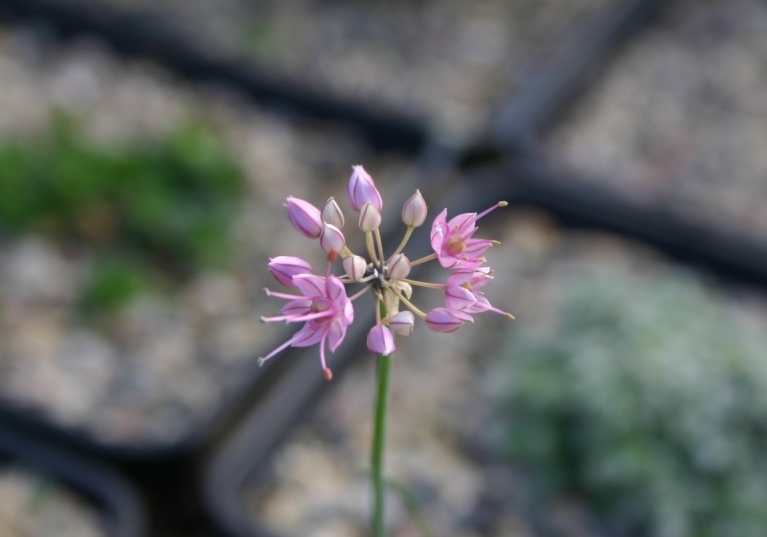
{"points": [[104, 490]]}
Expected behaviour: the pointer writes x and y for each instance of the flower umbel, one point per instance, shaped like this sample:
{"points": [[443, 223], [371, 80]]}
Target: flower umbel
{"points": [[323, 305]]}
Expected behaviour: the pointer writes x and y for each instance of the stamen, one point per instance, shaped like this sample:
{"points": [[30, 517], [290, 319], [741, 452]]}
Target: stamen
{"points": [[491, 209], [297, 318]]}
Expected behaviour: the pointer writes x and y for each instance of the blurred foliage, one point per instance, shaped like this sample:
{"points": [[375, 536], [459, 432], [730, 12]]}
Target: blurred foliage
{"points": [[155, 209], [648, 400]]}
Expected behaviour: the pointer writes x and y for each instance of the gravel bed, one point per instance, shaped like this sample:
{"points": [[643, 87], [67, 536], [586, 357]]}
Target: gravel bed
{"points": [[442, 416], [442, 60], [160, 365], [678, 120], [32, 506]]}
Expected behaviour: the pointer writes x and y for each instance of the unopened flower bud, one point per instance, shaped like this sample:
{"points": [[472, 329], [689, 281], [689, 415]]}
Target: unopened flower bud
{"points": [[380, 340], [331, 214], [331, 238], [355, 267], [402, 323], [414, 210], [305, 217], [363, 190], [284, 267], [370, 218], [399, 267], [443, 320]]}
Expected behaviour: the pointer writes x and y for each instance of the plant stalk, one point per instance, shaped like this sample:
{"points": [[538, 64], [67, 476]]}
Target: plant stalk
{"points": [[384, 366]]}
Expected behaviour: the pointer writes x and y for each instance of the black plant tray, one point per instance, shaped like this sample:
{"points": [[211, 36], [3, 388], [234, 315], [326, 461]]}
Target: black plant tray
{"points": [[112, 498], [149, 37], [567, 74], [515, 119]]}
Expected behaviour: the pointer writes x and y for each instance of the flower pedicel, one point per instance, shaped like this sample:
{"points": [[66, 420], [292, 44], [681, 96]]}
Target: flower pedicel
{"points": [[323, 305]]}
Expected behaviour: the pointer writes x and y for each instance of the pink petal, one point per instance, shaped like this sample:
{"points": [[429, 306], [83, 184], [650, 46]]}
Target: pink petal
{"points": [[380, 340]]}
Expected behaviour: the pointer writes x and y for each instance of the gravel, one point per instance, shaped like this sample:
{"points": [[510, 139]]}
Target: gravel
{"points": [[443, 422], [32, 506], [444, 60], [678, 120], [161, 365]]}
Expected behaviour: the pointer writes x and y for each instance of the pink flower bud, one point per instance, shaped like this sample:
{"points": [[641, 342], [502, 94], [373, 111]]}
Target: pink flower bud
{"points": [[370, 218], [363, 190], [331, 238], [414, 210], [399, 267], [402, 323], [305, 217], [284, 267], [381, 340], [331, 214], [355, 267], [443, 320]]}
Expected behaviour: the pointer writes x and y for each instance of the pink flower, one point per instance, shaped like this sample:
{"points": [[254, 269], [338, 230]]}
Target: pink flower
{"points": [[445, 320], [363, 190], [380, 340], [453, 243], [323, 307], [462, 291], [305, 217], [284, 267]]}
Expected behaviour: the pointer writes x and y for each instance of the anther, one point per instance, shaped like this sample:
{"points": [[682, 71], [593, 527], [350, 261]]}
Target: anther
{"points": [[328, 374]]}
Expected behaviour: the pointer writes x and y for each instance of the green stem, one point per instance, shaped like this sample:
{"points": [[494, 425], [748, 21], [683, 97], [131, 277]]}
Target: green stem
{"points": [[379, 439]]}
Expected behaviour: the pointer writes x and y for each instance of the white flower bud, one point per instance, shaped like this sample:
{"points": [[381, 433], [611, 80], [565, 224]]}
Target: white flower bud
{"points": [[399, 267], [414, 211], [370, 218], [331, 213], [355, 267]]}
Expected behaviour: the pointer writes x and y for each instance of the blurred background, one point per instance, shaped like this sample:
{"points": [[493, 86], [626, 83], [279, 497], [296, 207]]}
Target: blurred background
{"points": [[140, 203]]}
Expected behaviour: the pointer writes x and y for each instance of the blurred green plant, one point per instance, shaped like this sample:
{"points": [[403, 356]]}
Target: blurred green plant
{"points": [[648, 400], [153, 211]]}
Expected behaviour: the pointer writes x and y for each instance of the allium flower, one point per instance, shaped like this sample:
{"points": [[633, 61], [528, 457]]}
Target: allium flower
{"points": [[327, 311], [284, 267], [380, 340], [304, 216], [453, 242], [363, 190], [462, 291]]}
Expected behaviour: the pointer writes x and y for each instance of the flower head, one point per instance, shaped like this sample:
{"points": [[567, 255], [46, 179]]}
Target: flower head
{"points": [[323, 305]]}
